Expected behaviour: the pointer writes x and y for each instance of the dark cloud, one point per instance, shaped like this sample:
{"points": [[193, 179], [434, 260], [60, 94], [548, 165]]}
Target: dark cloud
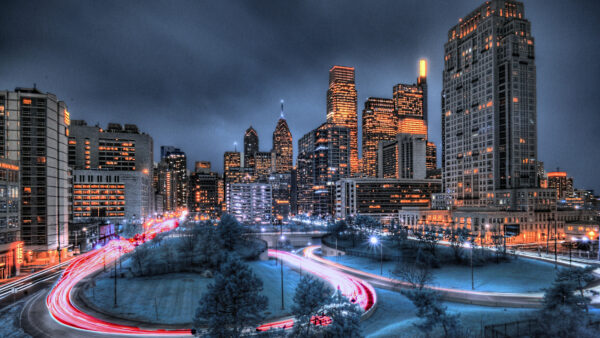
{"points": [[196, 74]]}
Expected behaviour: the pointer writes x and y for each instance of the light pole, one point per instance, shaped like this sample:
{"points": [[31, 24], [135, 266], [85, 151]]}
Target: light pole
{"points": [[116, 284], [470, 247], [281, 263], [375, 241]]}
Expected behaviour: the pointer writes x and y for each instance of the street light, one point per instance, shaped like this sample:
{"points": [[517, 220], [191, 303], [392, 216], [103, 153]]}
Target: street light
{"points": [[470, 247], [375, 241]]}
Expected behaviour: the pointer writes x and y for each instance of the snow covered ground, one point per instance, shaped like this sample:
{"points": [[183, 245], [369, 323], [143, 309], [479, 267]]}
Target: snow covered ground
{"points": [[520, 275], [9, 320], [395, 316], [173, 298]]}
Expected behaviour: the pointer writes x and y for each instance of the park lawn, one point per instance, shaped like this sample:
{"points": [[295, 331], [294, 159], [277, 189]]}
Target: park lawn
{"points": [[395, 316], [516, 275], [173, 298]]}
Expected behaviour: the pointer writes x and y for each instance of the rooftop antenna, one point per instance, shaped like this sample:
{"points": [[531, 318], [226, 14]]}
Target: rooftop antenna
{"points": [[281, 115], [235, 146]]}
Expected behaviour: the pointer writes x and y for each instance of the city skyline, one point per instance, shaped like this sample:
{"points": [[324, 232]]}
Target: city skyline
{"points": [[200, 107]]}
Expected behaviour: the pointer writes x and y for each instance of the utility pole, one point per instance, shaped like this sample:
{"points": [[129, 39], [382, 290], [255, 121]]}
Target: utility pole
{"points": [[555, 245], [116, 284]]}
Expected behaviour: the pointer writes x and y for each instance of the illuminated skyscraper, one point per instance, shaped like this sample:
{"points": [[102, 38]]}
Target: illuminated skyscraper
{"points": [[323, 158], [250, 147], [379, 123], [283, 146], [410, 102], [263, 165], [489, 114], [563, 184], [177, 163], [204, 191], [342, 107]]}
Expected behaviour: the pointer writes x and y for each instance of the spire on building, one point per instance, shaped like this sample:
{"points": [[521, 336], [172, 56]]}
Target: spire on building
{"points": [[281, 115]]}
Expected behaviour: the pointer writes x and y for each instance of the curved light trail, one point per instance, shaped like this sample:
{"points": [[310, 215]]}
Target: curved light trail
{"points": [[63, 310]]}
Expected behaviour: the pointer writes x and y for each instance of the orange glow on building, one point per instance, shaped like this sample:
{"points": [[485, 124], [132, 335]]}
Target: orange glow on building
{"points": [[557, 174], [379, 123], [422, 68], [413, 126], [26, 101]]}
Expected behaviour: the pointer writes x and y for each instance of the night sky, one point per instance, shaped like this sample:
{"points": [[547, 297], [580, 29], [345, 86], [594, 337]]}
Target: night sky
{"points": [[196, 74]]}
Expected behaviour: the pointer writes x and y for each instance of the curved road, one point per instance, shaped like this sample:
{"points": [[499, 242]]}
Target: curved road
{"points": [[60, 316]]}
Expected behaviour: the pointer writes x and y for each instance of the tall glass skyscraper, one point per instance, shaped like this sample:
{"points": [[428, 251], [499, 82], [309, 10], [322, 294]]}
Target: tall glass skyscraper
{"points": [[489, 114]]}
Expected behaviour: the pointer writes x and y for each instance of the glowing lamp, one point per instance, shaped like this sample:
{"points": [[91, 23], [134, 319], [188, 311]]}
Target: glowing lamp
{"points": [[422, 68], [373, 240]]}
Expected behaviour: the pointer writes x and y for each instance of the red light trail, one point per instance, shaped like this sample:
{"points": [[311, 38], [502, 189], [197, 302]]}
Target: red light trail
{"points": [[63, 311]]}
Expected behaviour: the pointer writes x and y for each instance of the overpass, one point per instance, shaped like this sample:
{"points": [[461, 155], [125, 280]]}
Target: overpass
{"points": [[294, 238]]}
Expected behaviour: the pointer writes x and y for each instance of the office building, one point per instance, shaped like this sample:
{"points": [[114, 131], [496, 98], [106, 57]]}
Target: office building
{"points": [[382, 198], [263, 165], [403, 158], [283, 146], [323, 158], [379, 124], [176, 161], [250, 203], [110, 195], [342, 107], [281, 187], [250, 147], [204, 192], [559, 181], [11, 246], [489, 114]]}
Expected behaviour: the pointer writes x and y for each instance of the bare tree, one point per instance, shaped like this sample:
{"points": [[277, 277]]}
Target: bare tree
{"points": [[139, 256], [417, 273]]}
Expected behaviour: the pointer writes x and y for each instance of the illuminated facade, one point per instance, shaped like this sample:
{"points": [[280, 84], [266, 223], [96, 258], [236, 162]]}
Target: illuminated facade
{"points": [[250, 203], [283, 147], [342, 107], [381, 198], [42, 145], [203, 197], [323, 158], [379, 123], [281, 186], [176, 161], [110, 195], [11, 246], [563, 184], [489, 114], [410, 103], [250, 147], [263, 165]]}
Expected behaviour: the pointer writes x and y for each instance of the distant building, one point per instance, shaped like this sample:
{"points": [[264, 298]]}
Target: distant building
{"points": [[204, 192], [342, 107], [281, 185], [250, 147], [263, 165], [379, 124], [176, 161], [563, 184], [382, 198], [283, 147], [250, 203], [323, 158]]}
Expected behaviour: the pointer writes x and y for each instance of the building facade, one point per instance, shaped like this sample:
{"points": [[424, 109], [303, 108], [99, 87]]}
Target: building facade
{"points": [[203, 197], [250, 203], [176, 161], [489, 113], [283, 147], [403, 158], [379, 123], [342, 107], [382, 198], [250, 147]]}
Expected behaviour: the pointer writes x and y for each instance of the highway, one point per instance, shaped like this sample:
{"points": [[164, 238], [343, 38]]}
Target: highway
{"points": [[62, 317]]}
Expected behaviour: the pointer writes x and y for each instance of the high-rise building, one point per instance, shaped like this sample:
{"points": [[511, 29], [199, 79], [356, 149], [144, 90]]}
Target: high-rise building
{"points": [[489, 114], [379, 123], [263, 165], [166, 192], [342, 107], [559, 181], [323, 158], [410, 103], [176, 161], [403, 158], [45, 184], [204, 192], [283, 146], [281, 185], [250, 147]]}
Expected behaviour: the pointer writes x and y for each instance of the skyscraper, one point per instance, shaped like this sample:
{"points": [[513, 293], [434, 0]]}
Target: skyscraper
{"points": [[283, 146], [342, 107], [250, 147], [203, 197], [410, 103], [379, 123], [323, 158], [489, 114], [177, 163]]}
